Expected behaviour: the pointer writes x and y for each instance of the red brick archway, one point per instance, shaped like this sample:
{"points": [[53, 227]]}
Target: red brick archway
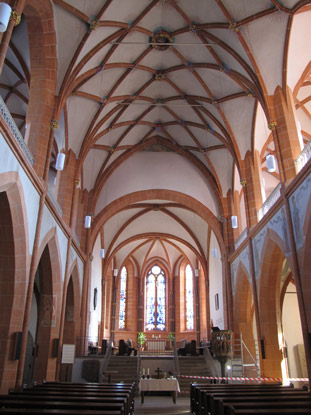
{"points": [[243, 315], [48, 308], [13, 271], [270, 303]]}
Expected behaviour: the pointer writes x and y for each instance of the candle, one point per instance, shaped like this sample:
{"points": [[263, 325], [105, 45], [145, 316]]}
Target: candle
{"points": [[148, 371], [143, 370]]}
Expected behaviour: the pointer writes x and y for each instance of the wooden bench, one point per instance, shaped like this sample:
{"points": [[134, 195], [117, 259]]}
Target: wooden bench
{"points": [[196, 388], [281, 411], [92, 396], [209, 400], [222, 404], [30, 411], [203, 395], [56, 404], [276, 404]]}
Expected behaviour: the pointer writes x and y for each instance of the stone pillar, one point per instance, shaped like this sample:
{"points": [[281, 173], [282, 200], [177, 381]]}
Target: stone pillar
{"points": [[285, 134], [252, 187]]}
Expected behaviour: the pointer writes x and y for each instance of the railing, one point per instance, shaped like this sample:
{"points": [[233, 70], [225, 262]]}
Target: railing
{"points": [[303, 157], [269, 202], [6, 115], [241, 238]]}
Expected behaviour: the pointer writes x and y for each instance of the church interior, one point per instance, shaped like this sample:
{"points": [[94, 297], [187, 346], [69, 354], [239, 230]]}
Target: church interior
{"points": [[155, 187]]}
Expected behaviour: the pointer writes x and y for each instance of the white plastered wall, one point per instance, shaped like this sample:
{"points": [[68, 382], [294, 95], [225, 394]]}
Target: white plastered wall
{"points": [[96, 282], [215, 284]]}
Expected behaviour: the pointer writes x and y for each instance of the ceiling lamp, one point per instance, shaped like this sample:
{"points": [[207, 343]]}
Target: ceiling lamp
{"points": [[196, 272], [271, 164], [214, 253], [87, 221], [60, 161], [5, 14], [234, 221], [102, 253], [115, 272]]}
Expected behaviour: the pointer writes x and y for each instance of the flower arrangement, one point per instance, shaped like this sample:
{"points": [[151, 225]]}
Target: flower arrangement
{"points": [[141, 338]]}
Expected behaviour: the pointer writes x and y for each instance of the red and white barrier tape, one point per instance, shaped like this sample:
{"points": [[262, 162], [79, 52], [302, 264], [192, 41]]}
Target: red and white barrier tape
{"points": [[239, 379]]}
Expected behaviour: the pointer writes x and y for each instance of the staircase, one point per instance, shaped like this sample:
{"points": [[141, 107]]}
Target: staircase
{"points": [[191, 366], [126, 366]]}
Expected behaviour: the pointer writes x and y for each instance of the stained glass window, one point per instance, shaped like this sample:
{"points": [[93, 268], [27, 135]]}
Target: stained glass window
{"points": [[155, 299], [122, 298], [189, 298]]}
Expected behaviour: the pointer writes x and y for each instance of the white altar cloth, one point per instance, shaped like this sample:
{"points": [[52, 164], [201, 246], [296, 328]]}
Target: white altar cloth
{"points": [[159, 385]]}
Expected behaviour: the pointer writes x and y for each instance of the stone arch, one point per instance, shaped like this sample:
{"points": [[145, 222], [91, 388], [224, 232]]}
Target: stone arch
{"points": [[181, 199], [243, 315], [131, 303], [269, 303], [76, 303], [71, 328], [180, 300], [43, 62], [48, 279], [148, 267], [13, 271]]}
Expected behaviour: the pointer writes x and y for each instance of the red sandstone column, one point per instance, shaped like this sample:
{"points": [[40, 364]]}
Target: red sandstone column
{"points": [[283, 126], [252, 187]]}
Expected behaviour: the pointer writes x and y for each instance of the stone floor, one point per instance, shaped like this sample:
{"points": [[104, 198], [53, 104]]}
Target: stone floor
{"points": [[161, 405]]}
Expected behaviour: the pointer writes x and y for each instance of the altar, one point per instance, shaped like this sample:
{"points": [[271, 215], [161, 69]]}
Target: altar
{"points": [[154, 385], [155, 345]]}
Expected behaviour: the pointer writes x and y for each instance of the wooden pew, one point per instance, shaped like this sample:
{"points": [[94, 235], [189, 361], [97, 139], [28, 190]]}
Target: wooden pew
{"points": [[209, 399], [93, 396], [283, 411], [222, 404], [203, 397], [56, 404], [276, 404], [195, 390], [31, 411]]}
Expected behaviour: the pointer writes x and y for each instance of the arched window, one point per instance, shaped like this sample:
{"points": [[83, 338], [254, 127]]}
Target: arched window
{"points": [[123, 283], [155, 299], [189, 298]]}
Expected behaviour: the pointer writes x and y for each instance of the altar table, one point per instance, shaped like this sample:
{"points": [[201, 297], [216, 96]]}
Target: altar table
{"points": [[153, 385]]}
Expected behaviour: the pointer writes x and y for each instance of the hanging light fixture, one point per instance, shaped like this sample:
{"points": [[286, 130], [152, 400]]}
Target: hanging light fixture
{"points": [[115, 272], [102, 253], [60, 161], [271, 163], [214, 253], [5, 14], [234, 221], [87, 221], [196, 272]]}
